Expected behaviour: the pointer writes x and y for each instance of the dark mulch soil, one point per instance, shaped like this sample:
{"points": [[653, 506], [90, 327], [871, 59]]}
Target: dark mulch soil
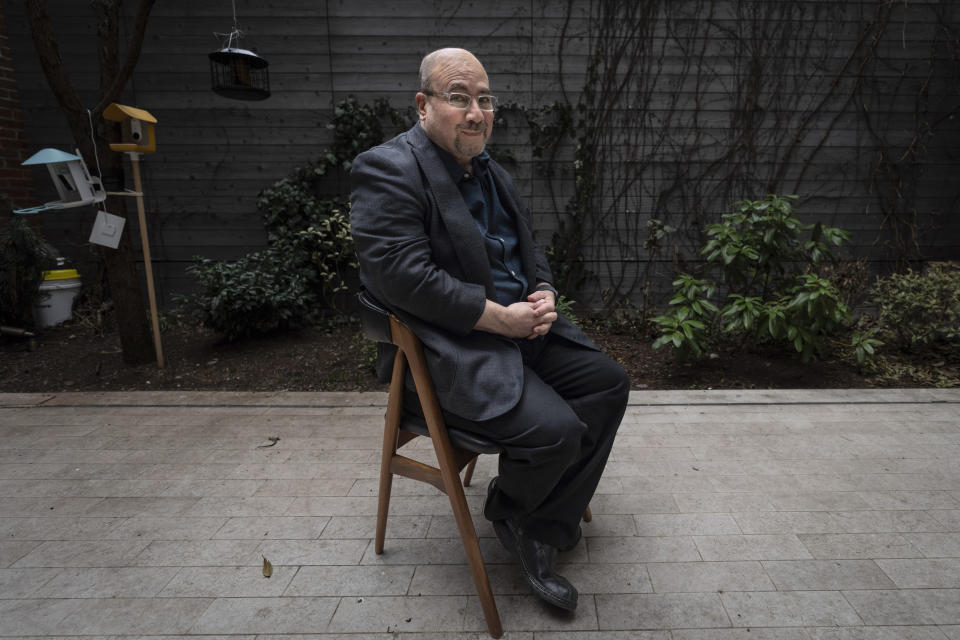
{"points": [[73, 357]]}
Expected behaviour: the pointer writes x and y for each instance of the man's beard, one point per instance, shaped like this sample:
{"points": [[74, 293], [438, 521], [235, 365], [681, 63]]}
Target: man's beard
{"points": [[481, 142]]}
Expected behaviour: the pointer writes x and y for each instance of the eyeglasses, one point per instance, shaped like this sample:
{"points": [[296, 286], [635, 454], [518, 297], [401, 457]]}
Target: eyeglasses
{"points": [[462, 100]]}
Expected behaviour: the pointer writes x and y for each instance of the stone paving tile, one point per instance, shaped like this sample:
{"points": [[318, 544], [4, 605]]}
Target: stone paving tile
{"points": [[128, 507], [661, 611], [301, 488], [198, 553], [272, 527], [265, 616], [346, 527], [790, 609], [227, 582], [664, 484], [751, 547], [530, 613], [337, 506], [709, 577], [877, 633], [952, 632], [826, 575], [909, 500], [935, 545], [13, 550], [354, 581], [165, 528], [209, 487], [126, 616], [686, 524], [740, 634], [722, 502], [859, 545], [314, 552], [820, 501], [20, 618], [56, 528], [21, 583], [114, 582], [418, 551], [642, 549], [938, 573], [242, 506], [949, 518], [50, 506], [907, 606], [602, 635], [399, 613], [82, 553]]}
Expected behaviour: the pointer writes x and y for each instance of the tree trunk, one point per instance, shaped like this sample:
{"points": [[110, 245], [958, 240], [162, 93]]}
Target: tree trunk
{"points": [[125, 283]]}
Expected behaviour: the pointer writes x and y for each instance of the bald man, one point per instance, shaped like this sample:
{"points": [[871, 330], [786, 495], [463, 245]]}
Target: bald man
{"points": [[445, 242]]}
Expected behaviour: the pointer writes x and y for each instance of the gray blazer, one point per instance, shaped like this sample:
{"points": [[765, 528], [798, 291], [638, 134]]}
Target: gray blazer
{"points": [[423, 256]]}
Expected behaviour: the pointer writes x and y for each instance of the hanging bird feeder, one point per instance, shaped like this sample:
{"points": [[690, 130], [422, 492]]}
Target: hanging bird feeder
{"points": [[237, 73], [75, 185]]}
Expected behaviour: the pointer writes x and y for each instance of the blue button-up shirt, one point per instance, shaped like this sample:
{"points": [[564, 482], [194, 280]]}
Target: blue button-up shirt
{"points": [[499, 229]]}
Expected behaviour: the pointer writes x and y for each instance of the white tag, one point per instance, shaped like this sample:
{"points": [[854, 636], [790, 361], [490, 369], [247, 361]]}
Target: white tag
{"points": [[107, 229]]}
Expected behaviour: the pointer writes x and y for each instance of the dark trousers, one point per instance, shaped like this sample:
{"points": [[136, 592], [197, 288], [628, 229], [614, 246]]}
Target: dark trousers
{"points": [[556, 440]]}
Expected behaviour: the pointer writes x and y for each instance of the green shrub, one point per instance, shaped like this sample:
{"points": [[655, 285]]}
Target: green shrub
{"points": [[256, 294], [310, 256], [766, 260], [685, 326], [920, 308], [23, 258]]}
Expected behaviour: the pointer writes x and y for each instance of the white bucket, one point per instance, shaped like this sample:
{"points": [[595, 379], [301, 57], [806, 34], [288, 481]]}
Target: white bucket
{"points": [[57, 291]]}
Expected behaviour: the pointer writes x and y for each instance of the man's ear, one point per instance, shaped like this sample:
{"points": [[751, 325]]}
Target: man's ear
{"points": [[422, 104]]}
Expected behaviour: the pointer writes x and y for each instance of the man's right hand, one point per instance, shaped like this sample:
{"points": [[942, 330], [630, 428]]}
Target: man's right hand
{"points": [[519, 320]]}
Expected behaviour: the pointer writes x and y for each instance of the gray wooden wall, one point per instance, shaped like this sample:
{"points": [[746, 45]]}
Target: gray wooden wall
{"points": [[683, 118]]}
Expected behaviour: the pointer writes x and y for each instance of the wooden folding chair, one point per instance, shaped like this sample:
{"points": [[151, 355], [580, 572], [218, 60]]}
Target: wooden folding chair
{"points": [[454, 448]]}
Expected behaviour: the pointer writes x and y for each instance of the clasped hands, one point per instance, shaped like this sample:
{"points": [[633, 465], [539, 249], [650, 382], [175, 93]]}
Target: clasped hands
{"points": [[528, 319]]}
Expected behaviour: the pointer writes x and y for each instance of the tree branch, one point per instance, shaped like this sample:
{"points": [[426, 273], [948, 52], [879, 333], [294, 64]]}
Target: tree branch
{"points": [[134, 44], [49, 53]]}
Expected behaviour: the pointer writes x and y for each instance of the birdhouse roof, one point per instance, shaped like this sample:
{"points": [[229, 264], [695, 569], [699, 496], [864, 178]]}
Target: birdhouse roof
{"points": [[49, 156], [117, 112]]}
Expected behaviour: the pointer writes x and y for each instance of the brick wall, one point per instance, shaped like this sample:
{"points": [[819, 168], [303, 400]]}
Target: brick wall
{"points": [[15, 181]]}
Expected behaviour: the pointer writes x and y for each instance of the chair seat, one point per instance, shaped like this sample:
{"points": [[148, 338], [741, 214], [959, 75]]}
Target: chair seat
{"points": [[458, 437]]}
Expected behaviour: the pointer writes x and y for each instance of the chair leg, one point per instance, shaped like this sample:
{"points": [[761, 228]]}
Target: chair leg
{"points": [[468, 476], [471, 546], [391, 434], [587, 515], [383, 507]]}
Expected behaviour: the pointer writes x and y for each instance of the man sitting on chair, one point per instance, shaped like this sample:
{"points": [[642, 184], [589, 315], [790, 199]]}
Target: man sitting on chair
{"points": [[445, 242]]}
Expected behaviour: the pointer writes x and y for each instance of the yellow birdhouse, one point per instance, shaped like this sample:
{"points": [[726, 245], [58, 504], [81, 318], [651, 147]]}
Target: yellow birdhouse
{"points": [[139, 134]]}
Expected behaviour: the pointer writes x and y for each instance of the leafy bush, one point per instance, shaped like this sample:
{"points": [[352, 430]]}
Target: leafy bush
{"points": [[23, 258], [766, 260], [256, 294], [917, 308], [310, 256]]}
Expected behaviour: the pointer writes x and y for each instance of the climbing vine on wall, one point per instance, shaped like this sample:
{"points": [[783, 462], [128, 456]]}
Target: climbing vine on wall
{"points": [[687, 107]]}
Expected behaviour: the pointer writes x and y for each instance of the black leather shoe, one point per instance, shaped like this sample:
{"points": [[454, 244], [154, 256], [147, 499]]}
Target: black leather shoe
{"points": [[538, 561]]}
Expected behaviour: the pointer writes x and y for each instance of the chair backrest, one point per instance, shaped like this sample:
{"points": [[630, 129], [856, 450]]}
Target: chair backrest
{"points": [[382, 326]]}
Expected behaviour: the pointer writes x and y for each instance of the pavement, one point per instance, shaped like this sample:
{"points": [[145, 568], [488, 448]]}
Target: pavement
{"points": [[722, 515]]}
